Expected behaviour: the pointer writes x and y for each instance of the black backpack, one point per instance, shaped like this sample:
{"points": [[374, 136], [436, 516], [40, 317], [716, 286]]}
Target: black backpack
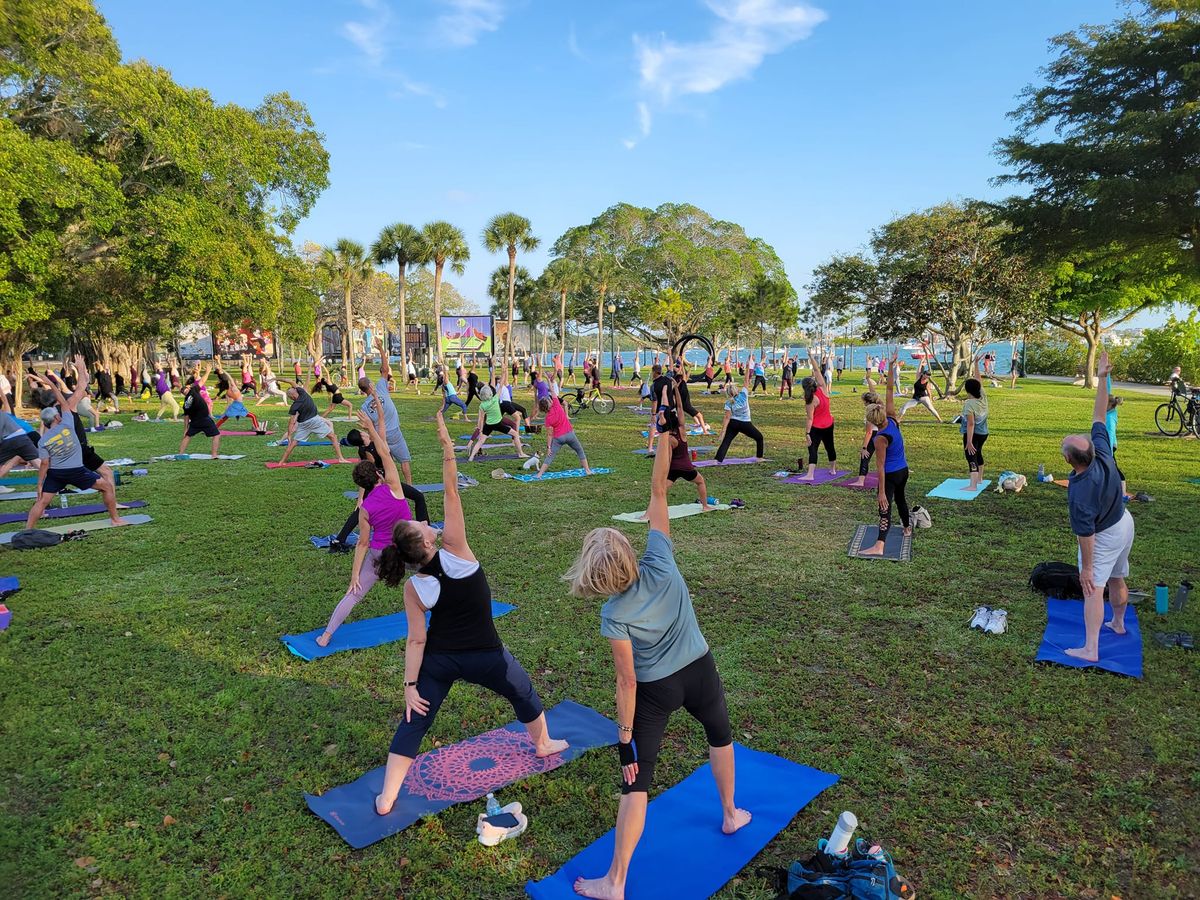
{"points": [[1056, 579], [36, 538]]}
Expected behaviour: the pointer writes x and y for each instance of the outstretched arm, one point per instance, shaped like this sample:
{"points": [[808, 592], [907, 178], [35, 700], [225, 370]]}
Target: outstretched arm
{"points": [[454, 534], [379, 439], [818, 375], [660, 517], [1100, 409], [385, 364]]}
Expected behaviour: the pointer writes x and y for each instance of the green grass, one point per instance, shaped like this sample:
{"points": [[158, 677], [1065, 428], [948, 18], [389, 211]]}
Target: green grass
{"points": [[143, 676]]}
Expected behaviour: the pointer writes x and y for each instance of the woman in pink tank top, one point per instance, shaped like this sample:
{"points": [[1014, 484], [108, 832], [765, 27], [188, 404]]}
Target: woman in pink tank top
{"points": [[382, 506]]}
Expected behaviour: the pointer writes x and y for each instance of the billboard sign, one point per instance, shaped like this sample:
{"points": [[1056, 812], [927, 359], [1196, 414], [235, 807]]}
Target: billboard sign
{"points": [[466, 334], [232, 343], [416, 340], [195, 341]]}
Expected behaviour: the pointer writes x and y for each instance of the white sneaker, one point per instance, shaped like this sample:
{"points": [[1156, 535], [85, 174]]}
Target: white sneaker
{"points": [[983, 615], [5, 490], [490, 835], [997, 623]]}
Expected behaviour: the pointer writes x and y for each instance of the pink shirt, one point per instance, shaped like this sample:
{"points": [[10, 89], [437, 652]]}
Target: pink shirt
{"points": [[383, 512], [557, 420], [822, 417]]}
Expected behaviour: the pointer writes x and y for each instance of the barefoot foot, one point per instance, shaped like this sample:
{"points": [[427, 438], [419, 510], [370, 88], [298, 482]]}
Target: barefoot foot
{"points": [[380, 809], [549, 748], [120, 521], [600, 888], [739, 819], [1084, 654], [324, 639], [1114, 626]]}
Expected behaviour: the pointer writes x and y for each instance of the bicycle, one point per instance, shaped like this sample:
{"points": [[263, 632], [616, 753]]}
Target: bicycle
{"points": [[1173, 419], [599, 401]]}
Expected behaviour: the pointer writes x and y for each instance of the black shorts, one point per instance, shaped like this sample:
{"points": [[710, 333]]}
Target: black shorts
{"points": [[506, 426], [18, 445], [682, 474], [204, 426], [338, 398], [57, 479], [92, 459]]}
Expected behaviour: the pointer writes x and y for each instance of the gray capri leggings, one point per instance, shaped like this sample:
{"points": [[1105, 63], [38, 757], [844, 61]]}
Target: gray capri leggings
{"points": [[567, 440]]}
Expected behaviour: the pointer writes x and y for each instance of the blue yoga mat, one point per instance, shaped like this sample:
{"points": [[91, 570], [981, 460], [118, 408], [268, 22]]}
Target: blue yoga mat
{"points": [[683, 852], [13, 480], [364, 633], [458, 773], [1120, 653], [322, 541], [564, 473], [952, 489]]}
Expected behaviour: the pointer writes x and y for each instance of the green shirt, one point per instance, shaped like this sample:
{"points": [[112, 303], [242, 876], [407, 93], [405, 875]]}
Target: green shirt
{"points": [[491, 410]]}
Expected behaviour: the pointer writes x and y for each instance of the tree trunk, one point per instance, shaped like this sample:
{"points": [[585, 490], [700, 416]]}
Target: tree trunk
{"points": [[600, 324], [960, 351], [348, 338], [562, 323], [1091, 335], [436, 349], [403, 320]]}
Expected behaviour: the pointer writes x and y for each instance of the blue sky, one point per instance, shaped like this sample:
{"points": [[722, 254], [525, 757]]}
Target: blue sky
{"points": [[806, 123]]}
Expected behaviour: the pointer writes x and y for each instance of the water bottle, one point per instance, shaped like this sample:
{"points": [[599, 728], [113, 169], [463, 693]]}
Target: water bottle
{"points": [[62, 501], [1160, 599], [1041, 472], [493, 805], [839, 838], [1181, 595]]}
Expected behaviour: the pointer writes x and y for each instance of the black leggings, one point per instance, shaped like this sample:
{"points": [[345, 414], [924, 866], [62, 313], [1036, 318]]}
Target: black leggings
{"points": [[821, 436], [509, 409], [864, 463], [893, 489], [759, 380], [415, 498], [728, 377], [785, 384], [495, 670], [974, 460], [472, 391], [732, 430], [697, 688]]}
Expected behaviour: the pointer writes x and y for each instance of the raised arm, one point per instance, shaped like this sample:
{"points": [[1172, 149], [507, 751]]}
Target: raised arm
{"points": [[454, 533], [818, 375], [1100, 409], [385, 364], [660, 517], [81, 383], [379, 439]]}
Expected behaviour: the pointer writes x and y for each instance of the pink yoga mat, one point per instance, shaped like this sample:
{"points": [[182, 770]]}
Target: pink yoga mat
{"points": [[871, 484], [820, 476], [729, 461], [301, 463]]}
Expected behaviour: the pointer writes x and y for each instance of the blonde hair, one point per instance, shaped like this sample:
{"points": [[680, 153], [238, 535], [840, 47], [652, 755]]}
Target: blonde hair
{"points": [[876, 415], [606, 565], [869, 398]]}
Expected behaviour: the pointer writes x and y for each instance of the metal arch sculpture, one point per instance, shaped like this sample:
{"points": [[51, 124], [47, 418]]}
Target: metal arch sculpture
{"points": [[680, 345]]}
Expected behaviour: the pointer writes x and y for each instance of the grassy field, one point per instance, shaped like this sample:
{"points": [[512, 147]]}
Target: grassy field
{"points": [[158, 737]]}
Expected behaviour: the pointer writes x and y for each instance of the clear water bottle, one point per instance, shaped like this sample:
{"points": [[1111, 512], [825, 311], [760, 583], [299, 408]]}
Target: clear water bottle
{"points": [[1041, 471], [493, 805], [62, 501]]}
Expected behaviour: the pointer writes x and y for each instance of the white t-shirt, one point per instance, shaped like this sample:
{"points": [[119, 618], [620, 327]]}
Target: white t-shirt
{"points": [[5, 384], [429, 589]]}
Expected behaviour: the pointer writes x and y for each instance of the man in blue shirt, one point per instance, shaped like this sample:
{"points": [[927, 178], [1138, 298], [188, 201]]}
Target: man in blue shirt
{"points": [[1100, 522]]}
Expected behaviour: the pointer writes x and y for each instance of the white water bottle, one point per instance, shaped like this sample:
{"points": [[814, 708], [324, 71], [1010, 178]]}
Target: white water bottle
{"points": [[839, 839], [493, 805]]}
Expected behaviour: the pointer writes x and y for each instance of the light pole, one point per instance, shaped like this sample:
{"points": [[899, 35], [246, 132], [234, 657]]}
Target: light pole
{"points": [[612, 339]]}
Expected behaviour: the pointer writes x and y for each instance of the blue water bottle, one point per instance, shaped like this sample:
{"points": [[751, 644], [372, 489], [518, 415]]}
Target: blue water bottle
{"points": [[1160, 599], [1041, 471], [493, 805]]}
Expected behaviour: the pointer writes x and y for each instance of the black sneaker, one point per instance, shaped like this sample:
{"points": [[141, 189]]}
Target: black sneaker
{"points": [[336, 546]]}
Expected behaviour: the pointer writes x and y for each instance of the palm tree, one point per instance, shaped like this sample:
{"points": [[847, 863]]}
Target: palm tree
{"points": [[444, 244], [404, 245], [348, 265], [600, 269], [509, 231], [565, 276]]}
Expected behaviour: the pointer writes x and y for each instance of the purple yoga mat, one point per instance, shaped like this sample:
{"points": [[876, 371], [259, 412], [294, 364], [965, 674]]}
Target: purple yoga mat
{"points": [[66, 512], [820, 476], [729, 461], [871, 484]]}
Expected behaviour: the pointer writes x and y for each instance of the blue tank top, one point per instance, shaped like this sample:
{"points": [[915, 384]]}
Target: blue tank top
{"points": [[895, 460]]}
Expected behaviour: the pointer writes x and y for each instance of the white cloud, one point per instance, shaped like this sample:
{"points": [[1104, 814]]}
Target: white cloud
{"points": [[644, 119], [573, 43], [747, 31], [466, 20], [369, 36]]}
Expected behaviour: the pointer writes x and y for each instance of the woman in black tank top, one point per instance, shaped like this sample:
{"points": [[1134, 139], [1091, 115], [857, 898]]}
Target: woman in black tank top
{"points": [[460, 642]]}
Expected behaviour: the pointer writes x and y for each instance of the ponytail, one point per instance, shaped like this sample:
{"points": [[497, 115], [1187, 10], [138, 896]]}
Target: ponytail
{"points": [[406, 551], [809, 386], [390, 567]]}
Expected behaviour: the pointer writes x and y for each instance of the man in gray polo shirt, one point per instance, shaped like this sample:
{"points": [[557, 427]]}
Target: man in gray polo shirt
{"points": [[1100, 522], [381, 410]]}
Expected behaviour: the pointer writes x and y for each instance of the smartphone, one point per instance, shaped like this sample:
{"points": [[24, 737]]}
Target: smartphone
{"points": [[502, 820]]}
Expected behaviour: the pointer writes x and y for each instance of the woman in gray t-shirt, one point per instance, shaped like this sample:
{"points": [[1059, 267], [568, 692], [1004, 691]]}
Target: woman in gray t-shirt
{"points": [[662, 663]]}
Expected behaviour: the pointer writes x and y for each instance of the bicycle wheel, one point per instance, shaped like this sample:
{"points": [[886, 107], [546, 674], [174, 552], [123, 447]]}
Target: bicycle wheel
{"points": [[1196, 423], [604, 404], [1168, 419]]}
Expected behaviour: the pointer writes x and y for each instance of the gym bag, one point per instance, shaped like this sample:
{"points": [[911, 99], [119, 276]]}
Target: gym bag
{"points": [[1056, 579], [865, 873], [33, 538]]}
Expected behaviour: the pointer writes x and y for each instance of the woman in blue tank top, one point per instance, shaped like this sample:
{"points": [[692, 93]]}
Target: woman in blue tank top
{"points": [[891, 464]]}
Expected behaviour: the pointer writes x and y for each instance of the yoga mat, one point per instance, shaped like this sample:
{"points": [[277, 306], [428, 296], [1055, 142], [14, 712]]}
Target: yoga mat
{"points": [[32, 495], [90, 525], [644, 452], [692, 432], [729, 461], [322, 542], [951, 489], [820, 476], [1120, 653], [246, 433], [464, 447], [284, 442], [490, 457], [871, 484], [458, 773], [363, 633], [638, 409], [9, 585], [564, 473], [174, 457], [897, 546], [11, 480], [66, 512], [679, 511], [301, 463], [683, 852], [423, 488]]}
